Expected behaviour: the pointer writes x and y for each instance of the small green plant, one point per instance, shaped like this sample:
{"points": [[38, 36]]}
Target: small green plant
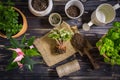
{"points": [[9, 19], [23, 51], [109, 45], [60, 36]]}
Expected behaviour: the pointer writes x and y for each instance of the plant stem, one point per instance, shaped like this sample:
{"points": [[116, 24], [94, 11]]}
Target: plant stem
{"points": [[58, 42]]}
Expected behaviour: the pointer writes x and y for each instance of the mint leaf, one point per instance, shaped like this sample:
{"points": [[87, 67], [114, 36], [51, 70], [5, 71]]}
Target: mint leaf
{"points": [[115, 35], [116, 24], [102, 50]]}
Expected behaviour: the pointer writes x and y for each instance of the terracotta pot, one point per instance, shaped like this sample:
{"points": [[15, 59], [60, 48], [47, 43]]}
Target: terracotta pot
{"points": [[24, 27]]}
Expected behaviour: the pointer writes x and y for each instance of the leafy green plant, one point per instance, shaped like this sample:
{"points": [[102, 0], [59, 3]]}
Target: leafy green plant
{"points": [[23, 51], [60, 36], [109, 45], [9, 19]]}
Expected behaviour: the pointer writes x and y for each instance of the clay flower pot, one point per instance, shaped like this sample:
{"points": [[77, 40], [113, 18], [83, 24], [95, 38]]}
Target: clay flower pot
{"points": [[24, 25], [43, 8]]}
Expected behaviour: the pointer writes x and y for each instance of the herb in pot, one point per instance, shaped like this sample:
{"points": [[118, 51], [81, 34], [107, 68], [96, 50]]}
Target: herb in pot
{"points": [[60, 36], [9, 20], [109, 45]]}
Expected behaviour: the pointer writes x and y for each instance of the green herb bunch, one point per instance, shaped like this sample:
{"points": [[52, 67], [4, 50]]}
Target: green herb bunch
{"points": [[109, 45], [9, 19], [60, 36], [28, 50]]}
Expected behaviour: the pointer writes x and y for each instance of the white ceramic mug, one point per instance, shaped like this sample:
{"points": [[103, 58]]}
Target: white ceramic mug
{"points": [[105, 13], [41, 13], [76, 3]]}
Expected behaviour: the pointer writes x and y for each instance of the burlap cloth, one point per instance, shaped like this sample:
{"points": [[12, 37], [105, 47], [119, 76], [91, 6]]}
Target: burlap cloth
{"points": [[45, 46]]}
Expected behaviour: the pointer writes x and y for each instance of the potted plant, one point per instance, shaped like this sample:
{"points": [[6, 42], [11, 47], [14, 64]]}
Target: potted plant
{"points": [[109, 45], [40, 7], [12, 21], [60, 36], [23, 51]]}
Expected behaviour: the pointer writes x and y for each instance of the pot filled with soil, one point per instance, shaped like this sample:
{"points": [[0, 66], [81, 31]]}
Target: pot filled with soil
{"points": [[40, 7], [74, 9]]}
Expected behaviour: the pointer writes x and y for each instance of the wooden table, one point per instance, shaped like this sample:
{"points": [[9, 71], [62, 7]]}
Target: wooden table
{"points": [[38, 26]]}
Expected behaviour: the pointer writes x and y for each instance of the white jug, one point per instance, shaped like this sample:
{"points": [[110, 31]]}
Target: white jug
{"points": [[105, 13]]}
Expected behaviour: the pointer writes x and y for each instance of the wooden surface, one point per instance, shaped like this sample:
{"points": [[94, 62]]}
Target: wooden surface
{"points": [[38, 26]]}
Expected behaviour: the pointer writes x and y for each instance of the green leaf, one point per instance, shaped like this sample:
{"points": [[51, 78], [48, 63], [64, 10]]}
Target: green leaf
{"points": [[109, 42], [11, 66], [54, 35], [116, 24], [14, 55], [32, 52], [102, 50], [14, 43], [115, 35], [99, 43], [29, 62], [60, 35], [112, 61], [30, 67], [108, 54], [10, 3], [23, 41], [9, 35], [30, 41], [106, 60], [118, 61]]}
